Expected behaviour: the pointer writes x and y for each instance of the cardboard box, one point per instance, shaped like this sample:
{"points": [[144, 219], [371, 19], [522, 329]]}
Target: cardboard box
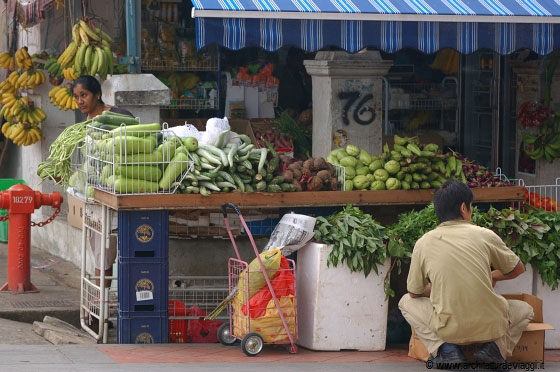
{"points": [[75, 211], [239, 126], [530, 347]]}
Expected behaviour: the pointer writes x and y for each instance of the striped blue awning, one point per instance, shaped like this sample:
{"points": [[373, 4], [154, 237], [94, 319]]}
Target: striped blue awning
{"points": [[427, 25]]}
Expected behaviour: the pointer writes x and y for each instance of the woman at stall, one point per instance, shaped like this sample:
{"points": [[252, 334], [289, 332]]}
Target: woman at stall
{"points": [[87, 92]]}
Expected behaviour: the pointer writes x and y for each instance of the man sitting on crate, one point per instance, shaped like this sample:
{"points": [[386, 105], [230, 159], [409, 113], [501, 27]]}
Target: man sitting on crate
{"points": [[450, 299]]}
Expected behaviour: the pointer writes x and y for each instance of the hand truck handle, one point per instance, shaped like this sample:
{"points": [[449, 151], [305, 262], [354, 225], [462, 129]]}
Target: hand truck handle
{"points": [[232, 206]]}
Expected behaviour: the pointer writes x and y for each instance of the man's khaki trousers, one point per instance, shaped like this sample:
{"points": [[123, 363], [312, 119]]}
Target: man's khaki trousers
{"points": [[418, 311]]}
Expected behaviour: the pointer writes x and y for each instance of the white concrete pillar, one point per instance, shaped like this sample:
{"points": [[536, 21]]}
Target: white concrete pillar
{"points": [[141, 94], [347, 100]]}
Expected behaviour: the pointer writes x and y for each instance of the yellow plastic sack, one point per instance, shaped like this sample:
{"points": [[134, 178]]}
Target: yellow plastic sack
{"points": [[269, 326], [271, 261]]}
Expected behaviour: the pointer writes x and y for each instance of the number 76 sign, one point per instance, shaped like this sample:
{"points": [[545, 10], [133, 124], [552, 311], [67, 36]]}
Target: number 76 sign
{"points": [[358, 103]]}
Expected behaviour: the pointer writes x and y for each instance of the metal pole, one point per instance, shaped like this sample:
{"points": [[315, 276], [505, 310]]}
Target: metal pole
{"points": [[131, 33]]}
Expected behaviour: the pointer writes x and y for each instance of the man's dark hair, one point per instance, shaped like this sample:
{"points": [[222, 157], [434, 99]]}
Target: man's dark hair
{"points": [[448, 199]]}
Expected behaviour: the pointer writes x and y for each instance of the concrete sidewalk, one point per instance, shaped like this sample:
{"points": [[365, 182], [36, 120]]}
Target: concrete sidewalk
{"points": [[38, 358], [58, 282]]}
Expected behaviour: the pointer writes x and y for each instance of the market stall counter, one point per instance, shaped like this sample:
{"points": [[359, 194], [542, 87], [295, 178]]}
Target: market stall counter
{"points": [[296, 199]]}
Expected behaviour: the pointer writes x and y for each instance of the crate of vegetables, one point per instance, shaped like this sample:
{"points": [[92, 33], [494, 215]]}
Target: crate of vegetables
{"points": [[134, 158], [281, 142]]}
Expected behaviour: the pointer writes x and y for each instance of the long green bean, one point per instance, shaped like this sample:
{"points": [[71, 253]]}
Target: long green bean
{"points": [[58, 165]]}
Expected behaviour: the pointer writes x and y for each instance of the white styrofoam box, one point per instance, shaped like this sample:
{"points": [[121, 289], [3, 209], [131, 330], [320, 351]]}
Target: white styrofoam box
{"points": [[338, 309], [522, 284], [551, 306]]}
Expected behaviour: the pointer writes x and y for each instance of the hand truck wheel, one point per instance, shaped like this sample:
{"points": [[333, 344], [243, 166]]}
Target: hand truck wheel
{"points": [[252, 344], [225, 336]]}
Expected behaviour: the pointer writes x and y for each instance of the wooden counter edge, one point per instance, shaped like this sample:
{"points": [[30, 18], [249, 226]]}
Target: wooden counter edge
{"points": [[295, 199]]}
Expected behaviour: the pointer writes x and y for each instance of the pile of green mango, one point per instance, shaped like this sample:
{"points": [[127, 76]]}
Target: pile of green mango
{"points": [[409, 165]]}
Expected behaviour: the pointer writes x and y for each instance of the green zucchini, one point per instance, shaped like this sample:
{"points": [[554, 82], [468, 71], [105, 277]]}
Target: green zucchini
{"points": [[178, 164], [134, 186], [142, 172]]}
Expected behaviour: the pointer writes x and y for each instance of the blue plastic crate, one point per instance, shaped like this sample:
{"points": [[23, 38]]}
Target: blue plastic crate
{"points": [[142, 330], [143, 234], [262, 227], [143, 285]]}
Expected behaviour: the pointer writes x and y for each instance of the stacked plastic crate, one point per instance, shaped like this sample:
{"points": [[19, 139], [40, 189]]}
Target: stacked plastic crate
{"points": [[143, 277]]}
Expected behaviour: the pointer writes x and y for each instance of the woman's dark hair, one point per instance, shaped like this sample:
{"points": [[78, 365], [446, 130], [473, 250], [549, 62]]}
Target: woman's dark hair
{"points": [[448, 199], [89, 83]]}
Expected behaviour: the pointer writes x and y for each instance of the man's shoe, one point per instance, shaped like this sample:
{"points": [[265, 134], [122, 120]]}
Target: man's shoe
{"points": [[448, 355], [489, 353]]}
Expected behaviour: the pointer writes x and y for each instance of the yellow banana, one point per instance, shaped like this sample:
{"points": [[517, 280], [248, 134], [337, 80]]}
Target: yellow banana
{"points": [[74, 104], [76, 33], [68, 105], [92, 35], [16, 132], [84, 36]]}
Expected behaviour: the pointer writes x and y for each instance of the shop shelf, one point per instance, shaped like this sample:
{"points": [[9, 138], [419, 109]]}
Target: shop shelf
{"points": [[143, 285], [143, 234], [142, 330], [192, 104], [200, 64]]}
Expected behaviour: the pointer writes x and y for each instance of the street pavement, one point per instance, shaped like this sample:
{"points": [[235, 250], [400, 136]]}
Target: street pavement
{"points": [[218, 358], [58, 282]]}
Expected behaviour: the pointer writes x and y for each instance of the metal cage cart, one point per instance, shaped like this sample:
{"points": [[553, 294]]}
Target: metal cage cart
{"points": [[95, 298], [190, 299], [250, 321]]}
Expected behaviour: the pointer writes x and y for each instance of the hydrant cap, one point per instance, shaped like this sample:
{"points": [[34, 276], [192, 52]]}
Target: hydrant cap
{"points": [[20, 187]]}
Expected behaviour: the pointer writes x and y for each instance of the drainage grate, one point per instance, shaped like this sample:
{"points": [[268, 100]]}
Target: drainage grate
{"points": [[35, 304]]}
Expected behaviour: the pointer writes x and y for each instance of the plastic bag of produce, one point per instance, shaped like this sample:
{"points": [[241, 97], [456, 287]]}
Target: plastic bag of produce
{"points": [[282, 284], [187, 130], [271, 261], [269, 326], [217, 125]]}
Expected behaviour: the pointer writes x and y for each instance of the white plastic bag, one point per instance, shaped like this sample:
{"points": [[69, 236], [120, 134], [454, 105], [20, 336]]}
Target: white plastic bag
{"points": [[217, 125], [187, 130]]}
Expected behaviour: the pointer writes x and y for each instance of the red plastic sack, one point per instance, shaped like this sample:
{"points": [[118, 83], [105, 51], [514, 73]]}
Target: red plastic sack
{"points": [[203, 331], [177, 328], [283, 285]]}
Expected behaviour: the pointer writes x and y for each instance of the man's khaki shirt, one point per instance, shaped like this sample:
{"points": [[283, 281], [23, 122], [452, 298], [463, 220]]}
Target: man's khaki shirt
{"points": [[456, 258]]}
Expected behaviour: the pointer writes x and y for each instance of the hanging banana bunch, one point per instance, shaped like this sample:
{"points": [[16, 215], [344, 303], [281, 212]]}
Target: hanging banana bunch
{"points": [[63, 98], [8, 61], [23, 59], [88, 53]]}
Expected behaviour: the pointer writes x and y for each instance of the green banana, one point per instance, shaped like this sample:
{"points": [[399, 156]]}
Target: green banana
{"points": [[110, 61], [88, 58], [94, 63], [79, 61]]}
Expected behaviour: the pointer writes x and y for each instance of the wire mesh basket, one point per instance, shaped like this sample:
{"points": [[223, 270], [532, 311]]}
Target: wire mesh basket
{"points": [[191, 298], [129, 161], [340, 176], [544, 196]]}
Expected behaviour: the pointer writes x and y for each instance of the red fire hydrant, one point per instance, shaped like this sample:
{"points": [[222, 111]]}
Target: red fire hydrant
{"points": [[21, 201]]}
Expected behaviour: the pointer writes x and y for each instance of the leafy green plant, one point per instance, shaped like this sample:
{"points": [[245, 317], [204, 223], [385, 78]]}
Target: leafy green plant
{"points": [[302, 137], [356, 237], [521, 232], [546, 253]]}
